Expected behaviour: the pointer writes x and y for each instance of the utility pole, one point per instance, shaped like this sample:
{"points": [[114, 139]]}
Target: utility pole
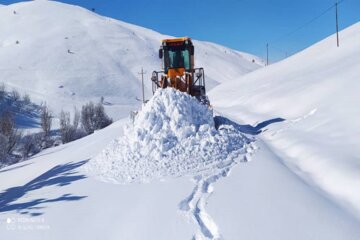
{"points": [[267, 54], [142, 84], [337, 23]]}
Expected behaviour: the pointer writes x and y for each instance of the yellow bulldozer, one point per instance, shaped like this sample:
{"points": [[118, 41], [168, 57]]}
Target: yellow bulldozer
{"points": [[178, 69]]}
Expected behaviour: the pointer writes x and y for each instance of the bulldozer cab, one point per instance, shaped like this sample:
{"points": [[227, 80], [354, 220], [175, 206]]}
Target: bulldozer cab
{"points": [[177, 53], [178, 68]]}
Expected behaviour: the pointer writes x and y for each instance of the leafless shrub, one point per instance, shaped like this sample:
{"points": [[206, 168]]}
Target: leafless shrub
{"points": [[31, 144]]}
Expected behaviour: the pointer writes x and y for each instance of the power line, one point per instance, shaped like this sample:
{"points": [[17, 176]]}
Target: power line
{"points": [[335, 5], [277, 48], [308, 22]]}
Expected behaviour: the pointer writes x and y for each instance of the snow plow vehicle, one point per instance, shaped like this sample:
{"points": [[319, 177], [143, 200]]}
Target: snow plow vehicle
{"points": [[178, 69]]}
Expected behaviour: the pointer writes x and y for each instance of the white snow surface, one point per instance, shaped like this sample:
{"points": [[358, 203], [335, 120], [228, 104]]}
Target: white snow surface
{"points": [[317, 93], [51, 196], [67, 55], [173, 135]]}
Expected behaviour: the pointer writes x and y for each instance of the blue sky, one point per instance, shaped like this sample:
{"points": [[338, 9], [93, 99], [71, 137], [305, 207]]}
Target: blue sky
{"points": [[245, 25]]}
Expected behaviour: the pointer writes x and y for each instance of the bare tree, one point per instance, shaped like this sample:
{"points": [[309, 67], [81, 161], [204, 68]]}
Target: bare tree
{"points": [[26, 105], [87, 117], [46, 120], [64, 126], [101, 118], [69, 130], [2, 91], [94, 117], [26, 99], [27, 146], [15, 95], [7, 123], [8, 129], [3, 147], [14, 140], [76, 120]]}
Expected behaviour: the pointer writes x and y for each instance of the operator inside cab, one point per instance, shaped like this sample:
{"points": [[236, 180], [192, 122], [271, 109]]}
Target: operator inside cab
{"points": [[177, 59], [177, 55]]}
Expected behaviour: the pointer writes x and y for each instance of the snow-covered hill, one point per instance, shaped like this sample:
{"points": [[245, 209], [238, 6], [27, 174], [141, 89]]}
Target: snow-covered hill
{"points": [[317, 93], [67, 55]]}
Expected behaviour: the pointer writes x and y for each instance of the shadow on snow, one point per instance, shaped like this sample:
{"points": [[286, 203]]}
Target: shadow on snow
{"points": [[60, 175], [13, 168], [247, 129]]}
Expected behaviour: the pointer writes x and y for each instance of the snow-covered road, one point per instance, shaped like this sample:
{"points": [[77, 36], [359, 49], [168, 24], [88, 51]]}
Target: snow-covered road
{"points": [[263, 199]]}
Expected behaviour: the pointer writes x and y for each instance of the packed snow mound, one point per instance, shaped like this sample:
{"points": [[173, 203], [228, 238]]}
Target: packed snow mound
{"points": [[172, 114], [173, 135]]}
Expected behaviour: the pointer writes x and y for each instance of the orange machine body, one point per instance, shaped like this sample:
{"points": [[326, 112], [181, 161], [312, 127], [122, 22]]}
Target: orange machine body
{"points": [[178, 68]]}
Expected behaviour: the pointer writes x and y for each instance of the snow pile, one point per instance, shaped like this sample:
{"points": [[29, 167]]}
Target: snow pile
{"points": [[173, 135]]}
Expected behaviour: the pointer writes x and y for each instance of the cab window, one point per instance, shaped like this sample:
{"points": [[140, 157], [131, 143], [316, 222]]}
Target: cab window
{"points": [[177, 59]]}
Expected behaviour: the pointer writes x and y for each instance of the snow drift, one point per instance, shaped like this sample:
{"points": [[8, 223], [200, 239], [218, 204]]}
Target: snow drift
{"points": [[172, 135], [317, 91]]}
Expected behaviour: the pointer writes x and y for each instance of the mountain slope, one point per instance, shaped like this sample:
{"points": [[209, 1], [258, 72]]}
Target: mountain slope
{"points": [[67, 55], [316, 92]]}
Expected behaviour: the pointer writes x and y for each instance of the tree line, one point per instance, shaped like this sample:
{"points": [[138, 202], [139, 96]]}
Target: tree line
{"points": [[17, 145]]}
